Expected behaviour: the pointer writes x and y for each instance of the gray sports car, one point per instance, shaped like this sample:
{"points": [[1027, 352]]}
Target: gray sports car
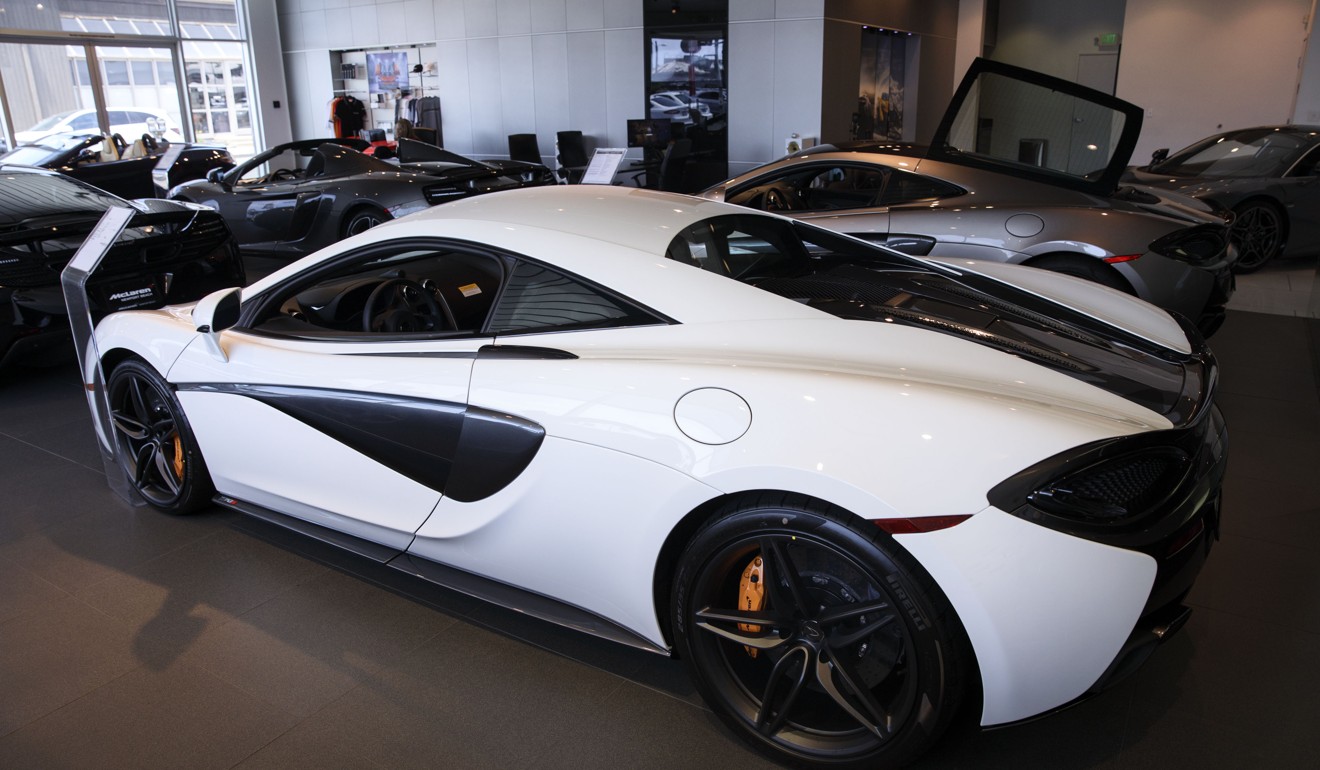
{"points": [[1024, 169], [298, 197], [1266, 175]]}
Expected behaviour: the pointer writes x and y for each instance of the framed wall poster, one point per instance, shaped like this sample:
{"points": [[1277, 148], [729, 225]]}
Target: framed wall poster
{"points": [[387, 71]]}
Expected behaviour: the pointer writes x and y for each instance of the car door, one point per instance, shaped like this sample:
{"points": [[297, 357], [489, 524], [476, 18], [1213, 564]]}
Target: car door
{"points": [[1300, 193], [340, 395]]}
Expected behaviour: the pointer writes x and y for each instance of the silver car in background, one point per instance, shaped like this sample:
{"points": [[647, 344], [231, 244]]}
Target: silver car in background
{"points": [[1023, 169]]}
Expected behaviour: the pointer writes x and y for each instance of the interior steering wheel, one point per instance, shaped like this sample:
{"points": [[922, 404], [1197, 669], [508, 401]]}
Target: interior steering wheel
{"points": [[402, 305], [778, 199], [283, 175]]}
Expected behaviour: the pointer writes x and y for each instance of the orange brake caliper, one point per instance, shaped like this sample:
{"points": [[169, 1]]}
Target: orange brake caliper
{"points": [[751, 597], [178, 457]]}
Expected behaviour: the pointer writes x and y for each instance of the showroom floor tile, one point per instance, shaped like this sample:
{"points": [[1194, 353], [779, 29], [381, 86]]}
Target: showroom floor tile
{"points": [[132, 639]]}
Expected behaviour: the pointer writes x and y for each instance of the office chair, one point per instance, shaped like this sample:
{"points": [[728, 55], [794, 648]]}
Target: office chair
{"points": [[524, 147], [572, 156]]}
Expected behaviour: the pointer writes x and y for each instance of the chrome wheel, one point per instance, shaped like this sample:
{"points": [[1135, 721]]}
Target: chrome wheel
{"points": [[1257, 233]]}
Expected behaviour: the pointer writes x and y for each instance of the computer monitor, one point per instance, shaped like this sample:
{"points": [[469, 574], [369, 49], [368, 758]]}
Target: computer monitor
{"points": [[649, 134]]}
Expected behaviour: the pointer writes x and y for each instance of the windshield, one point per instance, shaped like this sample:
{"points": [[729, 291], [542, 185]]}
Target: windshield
{"points": [[45, 124], [1258, 152]]}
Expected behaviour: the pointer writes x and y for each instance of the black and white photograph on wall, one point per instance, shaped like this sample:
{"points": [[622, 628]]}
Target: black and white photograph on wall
{"points": [[880, 88]]}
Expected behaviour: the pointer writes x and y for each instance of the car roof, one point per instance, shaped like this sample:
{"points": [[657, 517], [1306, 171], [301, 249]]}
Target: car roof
{"points": [[567, 225]]}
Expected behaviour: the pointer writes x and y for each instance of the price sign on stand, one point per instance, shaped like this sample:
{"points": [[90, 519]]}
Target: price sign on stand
{"points": [[161, 173], [74, 282], [604, 163]]}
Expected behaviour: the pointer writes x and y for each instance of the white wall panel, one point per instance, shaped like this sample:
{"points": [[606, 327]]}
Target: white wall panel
{"points": [[751, 97], [625, 84], [419, 16], [291, 32], [481, 18], [310, 5], [485, 94], [1199, 66], [392, 24], [314, 30], [586, 77], [329, 4], [799, 9], [454, 89], [751, 10], [517, 96], [362, 19], [797, 80], [622, 13], [586, 14], [551, 90], [449, 18], [321, 88], [549, 16], [514, 17]]}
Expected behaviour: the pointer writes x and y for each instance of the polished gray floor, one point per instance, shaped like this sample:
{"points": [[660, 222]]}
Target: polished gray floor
{"points": [[133, 639]]}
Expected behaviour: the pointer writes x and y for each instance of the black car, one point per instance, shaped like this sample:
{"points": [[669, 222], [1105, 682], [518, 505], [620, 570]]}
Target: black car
{"points": [[301, 196], [169, 253], [123, 169], [1267, 175]]}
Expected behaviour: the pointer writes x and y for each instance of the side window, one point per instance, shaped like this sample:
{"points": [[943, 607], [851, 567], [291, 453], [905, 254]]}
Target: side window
{"points": [[834, 187], [399, 292], [1307, 166], [904, 187], [742, 248], [540, 299], [83, 122]]}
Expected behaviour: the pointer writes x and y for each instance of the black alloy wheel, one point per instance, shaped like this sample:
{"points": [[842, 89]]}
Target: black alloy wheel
{"points": [[1257, 232], [362, 220], [854, 658], [156, 447]]}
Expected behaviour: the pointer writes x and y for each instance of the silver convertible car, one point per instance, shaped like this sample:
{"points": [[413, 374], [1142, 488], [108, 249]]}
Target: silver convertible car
{"points": [[853, 490], [1023, 169]]}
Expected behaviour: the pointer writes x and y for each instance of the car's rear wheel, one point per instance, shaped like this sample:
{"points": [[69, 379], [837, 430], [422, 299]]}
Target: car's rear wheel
{"points": [[1257, 232], [155, 444], [363, 219], [817, 640]]}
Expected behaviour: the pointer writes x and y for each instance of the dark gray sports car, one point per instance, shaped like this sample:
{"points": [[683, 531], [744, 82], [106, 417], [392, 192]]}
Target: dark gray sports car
{"points": [[298, 197], [123, 170], [1266, 175]]}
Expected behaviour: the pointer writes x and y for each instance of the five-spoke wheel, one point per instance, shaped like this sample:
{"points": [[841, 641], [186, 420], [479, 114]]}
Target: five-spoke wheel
{"points": [[812, 640], [156, 446]]}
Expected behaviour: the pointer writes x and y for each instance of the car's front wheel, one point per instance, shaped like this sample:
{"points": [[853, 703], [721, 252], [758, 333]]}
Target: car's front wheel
{"points": [[156, 447], [1257, 232], [816, 639]]}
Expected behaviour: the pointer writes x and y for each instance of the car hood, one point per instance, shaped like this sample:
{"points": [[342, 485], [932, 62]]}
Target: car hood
{"points": [[1198, 187]]}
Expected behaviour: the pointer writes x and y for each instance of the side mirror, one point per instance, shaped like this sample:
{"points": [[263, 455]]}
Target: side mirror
{"points": [[1159, 155], [216, 176], [216, 312]]}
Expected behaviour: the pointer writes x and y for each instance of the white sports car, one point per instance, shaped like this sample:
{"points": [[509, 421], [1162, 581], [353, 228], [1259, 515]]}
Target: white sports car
{"points": [[852, 489]]}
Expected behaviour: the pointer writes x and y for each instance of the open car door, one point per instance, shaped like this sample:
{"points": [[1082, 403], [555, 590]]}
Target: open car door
{"points": [[1021, 122]]}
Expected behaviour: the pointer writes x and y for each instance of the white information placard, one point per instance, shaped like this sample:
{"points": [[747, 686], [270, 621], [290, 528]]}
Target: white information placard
{"points": [[161, 173], [604, 163]]}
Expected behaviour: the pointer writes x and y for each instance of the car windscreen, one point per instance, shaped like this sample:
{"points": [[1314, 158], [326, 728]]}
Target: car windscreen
{"points": [[29, 196], [30, 155], [1259, 152]]}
